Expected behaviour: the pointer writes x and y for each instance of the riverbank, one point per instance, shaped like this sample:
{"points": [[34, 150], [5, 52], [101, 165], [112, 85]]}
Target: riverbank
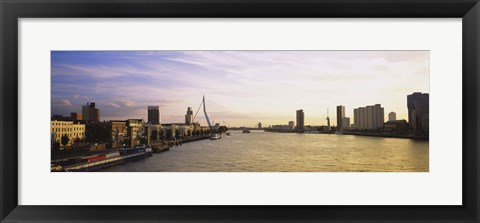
{"points": [[386, 135]]}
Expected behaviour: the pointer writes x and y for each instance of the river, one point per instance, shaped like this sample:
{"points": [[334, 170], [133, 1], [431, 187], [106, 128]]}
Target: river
{"points": [[288, 152]]}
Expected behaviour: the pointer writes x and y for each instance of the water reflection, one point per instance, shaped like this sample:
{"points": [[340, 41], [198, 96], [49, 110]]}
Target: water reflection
{"points": [[288, 152]]}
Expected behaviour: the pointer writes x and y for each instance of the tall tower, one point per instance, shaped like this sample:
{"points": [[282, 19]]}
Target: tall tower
{"points": [[189, 116], [153, 115], [90, 113], [418, 112], [328, 122], [340, 116], [300, 119]]}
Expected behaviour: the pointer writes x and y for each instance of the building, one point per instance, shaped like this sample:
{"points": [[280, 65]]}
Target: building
{"points": [[418, 113], [392, 116], [345, 123], [300, 119], [340, 116], [60, 118], [329, 128], [135, 131], [111, 133], [369, 118], [90, 113], [74, 131], [119, 131], [259, 125], [155, 134], [76, 116], [397, 127], [291, 124], [189, 116], [153, 115]]}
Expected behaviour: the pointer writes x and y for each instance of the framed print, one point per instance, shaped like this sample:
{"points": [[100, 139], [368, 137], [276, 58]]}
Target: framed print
{"points": [[239, 111]]}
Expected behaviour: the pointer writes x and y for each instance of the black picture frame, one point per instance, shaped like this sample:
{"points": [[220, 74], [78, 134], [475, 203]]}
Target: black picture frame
{"points": [[12, 10]]}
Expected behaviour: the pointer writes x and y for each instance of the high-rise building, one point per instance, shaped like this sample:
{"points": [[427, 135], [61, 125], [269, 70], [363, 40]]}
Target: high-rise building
{"points": [[90, 113], [418, 112], [369, 117], [392, 116], [300, 119], [291, 124], [259, 125], [345, 123], [153, 115], [340, 116], [189, 116]]}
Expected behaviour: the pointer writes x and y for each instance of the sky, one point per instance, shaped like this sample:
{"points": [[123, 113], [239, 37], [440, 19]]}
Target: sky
{"points": [[241, 88]]}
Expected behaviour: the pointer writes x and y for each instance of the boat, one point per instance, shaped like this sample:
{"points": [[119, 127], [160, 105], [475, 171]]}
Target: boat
{"points": [[246, 131], [215, 136]]}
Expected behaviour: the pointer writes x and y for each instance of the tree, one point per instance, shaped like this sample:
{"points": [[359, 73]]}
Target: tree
{"points": [[169, 134], [223, 128], [65, 140], [56, 146], [161, 134], [154, 135], [177, 134]]}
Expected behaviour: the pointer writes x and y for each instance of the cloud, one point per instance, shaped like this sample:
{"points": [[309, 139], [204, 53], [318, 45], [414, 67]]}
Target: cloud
{"points": [[81, 97], [259, 84], [61, 102]]}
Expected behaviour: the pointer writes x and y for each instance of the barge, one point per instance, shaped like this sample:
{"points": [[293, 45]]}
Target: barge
{"points": [[100, 161]]}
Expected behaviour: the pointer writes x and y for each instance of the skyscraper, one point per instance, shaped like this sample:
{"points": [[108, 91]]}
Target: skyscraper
{"points": [[153, 115], [392, 116], [259, 125], [340, 116], [369, 117], [300, 119], [189, 116], [418, 112], [345, 123], [90, 113]]}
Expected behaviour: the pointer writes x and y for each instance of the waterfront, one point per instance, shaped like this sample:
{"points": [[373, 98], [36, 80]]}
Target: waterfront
{"points": [[288, 152]]}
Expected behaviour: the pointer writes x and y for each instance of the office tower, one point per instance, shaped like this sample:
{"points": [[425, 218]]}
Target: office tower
{"points": [[345, 123], [189, 116], [340, 116], [418, 112], [153, 115], [392, 116], [90, 113], [369, 117], [300, 119]]}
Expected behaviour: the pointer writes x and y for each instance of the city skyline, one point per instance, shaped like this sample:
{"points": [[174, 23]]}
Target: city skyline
{"points": [[242, 87]]}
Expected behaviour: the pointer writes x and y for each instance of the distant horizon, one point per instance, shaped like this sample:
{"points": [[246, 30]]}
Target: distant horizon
{"points": [[241, 88]]}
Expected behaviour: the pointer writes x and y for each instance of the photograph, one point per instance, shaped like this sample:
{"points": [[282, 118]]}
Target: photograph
{"points": [[239, 111]]}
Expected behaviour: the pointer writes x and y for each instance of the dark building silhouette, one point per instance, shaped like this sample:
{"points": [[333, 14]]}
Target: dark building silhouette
{"points": [[418, 112], [300, 119], [90, 113], [340, 116], [76, 116], [189, 116], [153, 115]]}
